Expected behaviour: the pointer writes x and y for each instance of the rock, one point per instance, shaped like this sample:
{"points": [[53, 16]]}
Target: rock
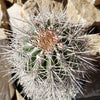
{"points": [[19, 97], [77, 10], [3, 15], [94, 2], [11, 1], [32, 6], [15, 17], [2, 34], [94, 44], [83, 12], [95, 41]]}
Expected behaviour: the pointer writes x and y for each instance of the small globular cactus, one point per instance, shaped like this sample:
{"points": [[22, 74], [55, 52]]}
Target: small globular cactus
{"points": [[50, 57]]}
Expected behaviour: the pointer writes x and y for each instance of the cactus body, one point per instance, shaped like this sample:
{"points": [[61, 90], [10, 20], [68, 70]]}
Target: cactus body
{"points": [[48, 57]]}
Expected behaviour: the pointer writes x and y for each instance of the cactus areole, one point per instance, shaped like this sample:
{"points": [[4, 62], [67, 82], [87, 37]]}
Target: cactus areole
{"points": [[47, 40]]}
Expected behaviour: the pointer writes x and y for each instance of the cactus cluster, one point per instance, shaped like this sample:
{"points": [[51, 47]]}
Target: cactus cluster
{"points": [[49, 56]]}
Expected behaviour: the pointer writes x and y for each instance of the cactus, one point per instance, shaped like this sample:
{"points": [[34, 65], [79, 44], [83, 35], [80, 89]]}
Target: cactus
{"points": [[49, 56]]}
